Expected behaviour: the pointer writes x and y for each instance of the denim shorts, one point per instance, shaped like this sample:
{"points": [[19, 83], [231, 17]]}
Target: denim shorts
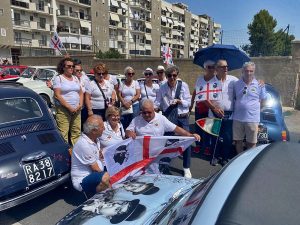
{"points": [[90, 182]]}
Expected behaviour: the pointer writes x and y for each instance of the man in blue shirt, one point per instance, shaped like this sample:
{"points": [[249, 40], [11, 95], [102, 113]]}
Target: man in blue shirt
{"points": [[248, 99]]}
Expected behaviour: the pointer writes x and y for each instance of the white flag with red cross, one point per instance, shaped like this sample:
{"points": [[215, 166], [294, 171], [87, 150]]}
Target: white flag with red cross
{"points": [[56, 43], [129, 157], [209, 91], [167, 55]]}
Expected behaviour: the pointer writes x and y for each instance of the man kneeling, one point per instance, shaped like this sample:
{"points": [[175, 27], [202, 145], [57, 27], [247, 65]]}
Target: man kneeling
{"points": [[87, 170]]}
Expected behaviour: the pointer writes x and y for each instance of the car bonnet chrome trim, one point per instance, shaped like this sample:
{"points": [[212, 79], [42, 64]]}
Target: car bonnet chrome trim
{"points": [[215, 199]]}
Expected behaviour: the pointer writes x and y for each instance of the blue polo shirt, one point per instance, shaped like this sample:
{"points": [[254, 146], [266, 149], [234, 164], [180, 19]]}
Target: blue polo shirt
{"points": [[247, 101]]}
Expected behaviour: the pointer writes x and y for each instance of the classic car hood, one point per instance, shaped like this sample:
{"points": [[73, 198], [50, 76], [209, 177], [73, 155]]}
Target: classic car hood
{"points": [[139, 201], [23, 80], [32, 83]]}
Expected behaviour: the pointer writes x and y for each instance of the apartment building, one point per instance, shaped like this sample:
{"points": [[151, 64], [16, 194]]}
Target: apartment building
{"points": [[136, 28]]}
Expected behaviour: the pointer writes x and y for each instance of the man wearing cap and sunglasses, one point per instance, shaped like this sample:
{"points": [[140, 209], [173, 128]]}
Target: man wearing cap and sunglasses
{"points": [[174, 99]]}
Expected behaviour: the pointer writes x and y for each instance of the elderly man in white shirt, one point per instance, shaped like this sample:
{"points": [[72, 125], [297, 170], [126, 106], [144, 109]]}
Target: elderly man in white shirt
{"points": [[87, 170], [150, 123]]}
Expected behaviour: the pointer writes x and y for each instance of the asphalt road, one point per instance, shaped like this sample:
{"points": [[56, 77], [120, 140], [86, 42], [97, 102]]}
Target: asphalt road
{"points": [[49, 208]]}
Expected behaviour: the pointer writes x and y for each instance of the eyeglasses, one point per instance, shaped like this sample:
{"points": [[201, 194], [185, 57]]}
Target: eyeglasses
{"points": [[78, 71], [210, 67], [160, 72], [115, 116], [223, 67], [245, 90], [172, 75], [70, 66], [148, 74], [130, 74]]}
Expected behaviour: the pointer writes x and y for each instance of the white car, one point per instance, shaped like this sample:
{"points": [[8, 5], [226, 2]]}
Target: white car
{"points": [[35, 77]]}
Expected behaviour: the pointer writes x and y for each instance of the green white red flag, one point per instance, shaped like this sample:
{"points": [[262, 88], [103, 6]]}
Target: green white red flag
{"points": [[210, 125]]}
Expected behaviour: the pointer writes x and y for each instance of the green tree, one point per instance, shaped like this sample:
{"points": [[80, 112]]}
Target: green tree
{"points": [[110, 54], [264, 41], [262, 36]]}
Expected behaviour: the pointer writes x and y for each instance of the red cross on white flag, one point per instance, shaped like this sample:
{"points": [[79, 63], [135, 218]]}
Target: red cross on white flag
{"points": [[211, 91], [55, 42], [167, 54]]}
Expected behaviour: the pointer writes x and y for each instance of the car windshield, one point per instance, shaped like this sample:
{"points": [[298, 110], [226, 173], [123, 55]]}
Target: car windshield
{"points": [[45, 74], [28, 73], [16, 109]]}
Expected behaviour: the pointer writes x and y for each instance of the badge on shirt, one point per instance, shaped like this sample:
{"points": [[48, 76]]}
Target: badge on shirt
{"points": [[253, 89]]}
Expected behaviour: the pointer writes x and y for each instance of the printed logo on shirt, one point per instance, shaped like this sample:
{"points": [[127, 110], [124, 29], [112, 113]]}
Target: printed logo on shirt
{"points": [[253, 89]]}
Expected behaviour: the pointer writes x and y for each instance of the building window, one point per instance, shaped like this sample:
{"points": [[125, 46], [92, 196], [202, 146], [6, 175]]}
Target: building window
{"points": [[96, 14], [1, 12]]}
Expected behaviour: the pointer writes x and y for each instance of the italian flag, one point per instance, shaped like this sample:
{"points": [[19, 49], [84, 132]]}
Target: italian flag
{"points": [[210, 125]]}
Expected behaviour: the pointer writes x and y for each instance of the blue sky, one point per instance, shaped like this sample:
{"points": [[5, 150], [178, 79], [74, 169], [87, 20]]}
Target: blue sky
{"points": [[235, 15]]}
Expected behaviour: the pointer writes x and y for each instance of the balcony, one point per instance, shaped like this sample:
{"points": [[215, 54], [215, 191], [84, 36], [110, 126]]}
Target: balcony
{"points": [[21, 23], [65, 13], [85, 2], [121, 38], [85, 31], [20, 4], [63, 29], [39, 26], [23, 41], [121, 12], [83, 16], [43, 43], [122, 25], [74, 30], [138, 29]]}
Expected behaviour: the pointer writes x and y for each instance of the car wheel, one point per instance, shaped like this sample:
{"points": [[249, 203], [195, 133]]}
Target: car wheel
{"points": [[46, 99]]}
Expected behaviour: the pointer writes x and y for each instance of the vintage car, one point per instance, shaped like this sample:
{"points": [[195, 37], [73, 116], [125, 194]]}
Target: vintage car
{"points": [[34, 158], [272, 125], [11, 72], [35, 77], [259, 186]]}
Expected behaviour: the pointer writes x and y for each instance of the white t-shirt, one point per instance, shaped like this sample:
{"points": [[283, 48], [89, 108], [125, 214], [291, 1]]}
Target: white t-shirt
{"points": [[128, 92], [151, 91], [85, 153], [84, 82], [113, 80], [69, 89], [109, 136], [156, 127], [97, 99], [227, 95]]}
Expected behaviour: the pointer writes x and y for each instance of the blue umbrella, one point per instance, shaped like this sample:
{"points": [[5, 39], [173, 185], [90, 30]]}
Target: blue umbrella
{"points": [[234, 56]]}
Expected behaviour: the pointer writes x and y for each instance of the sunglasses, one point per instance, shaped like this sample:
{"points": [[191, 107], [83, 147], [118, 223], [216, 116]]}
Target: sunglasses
{"points": [[78, 71], [160, 72], [130, 74], [172, 75], [146, 112], [210, 67], [245, 90], [70, 66], [223, 67], [100, 74], [148, 74]]}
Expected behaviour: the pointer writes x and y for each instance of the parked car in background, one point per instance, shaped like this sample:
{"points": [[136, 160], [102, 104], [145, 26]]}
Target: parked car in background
{"points": [[35, 77], [260, 186], [11, 72], [272, 125], [34, 158]]}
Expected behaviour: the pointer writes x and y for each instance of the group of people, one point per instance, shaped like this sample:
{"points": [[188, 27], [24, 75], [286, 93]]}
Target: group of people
{"points": [[93, 114], [238, 105]]}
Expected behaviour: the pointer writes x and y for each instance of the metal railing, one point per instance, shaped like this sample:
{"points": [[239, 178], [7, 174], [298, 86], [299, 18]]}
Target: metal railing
{"points": [[23, 23], [20, 4]]}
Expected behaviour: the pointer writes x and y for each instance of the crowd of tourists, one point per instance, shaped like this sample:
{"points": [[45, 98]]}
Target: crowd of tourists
{"points": [[94, 114]]}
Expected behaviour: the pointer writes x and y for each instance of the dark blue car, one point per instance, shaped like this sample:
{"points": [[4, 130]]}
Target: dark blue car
{"points": [[272, 126], [34, 158]]}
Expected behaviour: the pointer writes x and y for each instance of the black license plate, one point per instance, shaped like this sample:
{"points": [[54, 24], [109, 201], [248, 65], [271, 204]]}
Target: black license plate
{"points": [[38, 171], [262, 135]]}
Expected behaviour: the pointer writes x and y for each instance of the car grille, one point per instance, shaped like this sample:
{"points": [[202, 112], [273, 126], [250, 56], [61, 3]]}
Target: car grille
{"points": [[6, 148], [47, 138], [24, 129]]}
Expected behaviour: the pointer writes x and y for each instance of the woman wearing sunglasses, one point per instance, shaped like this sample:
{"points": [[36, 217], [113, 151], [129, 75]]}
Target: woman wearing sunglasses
{"points": [[68, 101], [149, 89], [129, 94], [100, 94]]}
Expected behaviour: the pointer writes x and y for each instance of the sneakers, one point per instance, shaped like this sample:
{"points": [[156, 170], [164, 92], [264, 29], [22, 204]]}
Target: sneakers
{"points": [[187, 173], [214, 162]]}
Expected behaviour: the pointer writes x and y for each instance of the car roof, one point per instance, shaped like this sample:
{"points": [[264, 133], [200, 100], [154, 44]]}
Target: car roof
{"points": [[15, 89], [268, 190]]}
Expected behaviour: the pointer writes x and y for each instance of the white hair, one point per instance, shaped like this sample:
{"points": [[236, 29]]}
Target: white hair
{"points": [[246, 64], [128, 68], [90, 125], [208, 63], [147, 102]]}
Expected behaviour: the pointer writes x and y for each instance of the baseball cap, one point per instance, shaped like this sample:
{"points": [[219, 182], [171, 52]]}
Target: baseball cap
{"points": [[159, 68]]}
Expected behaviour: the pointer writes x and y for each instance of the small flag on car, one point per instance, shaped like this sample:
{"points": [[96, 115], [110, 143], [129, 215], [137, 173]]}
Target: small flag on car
{"points": [[210, 125]]}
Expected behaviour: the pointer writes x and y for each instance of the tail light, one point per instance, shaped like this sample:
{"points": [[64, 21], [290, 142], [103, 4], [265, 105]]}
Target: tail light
{"points": [[283, 135]]}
